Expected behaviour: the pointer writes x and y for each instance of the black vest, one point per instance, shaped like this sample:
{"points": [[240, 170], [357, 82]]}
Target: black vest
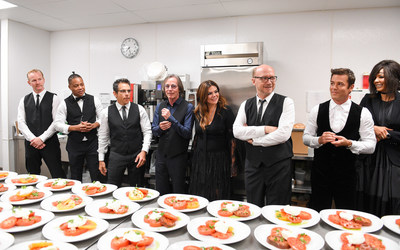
{"points": [[126, 137], [337, 156], [38, 120], [75, 116], [171, 143], [273, 154]]}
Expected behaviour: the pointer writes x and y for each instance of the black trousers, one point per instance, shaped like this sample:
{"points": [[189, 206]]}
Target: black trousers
{"points": [[78, 152], [174, 168], [268, 185], [118, 163], [51, 154]]}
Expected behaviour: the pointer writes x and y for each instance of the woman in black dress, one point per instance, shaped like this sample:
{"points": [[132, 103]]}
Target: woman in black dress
{"points": [[213, 146], [382, 176]]}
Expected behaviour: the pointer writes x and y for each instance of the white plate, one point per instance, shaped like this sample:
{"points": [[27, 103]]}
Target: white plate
{"points": [[390, 222], [40, 185], [6, 197], [332, 238], [120, 194], [77, 189], [6, 206], [10, 174], [375, 226], [46, 217], [215, 206], [39, 177], [160, 241], [241, 231], [262, 232], [46, 204], [92, 209], [180, 245], [60, 245], [11, 187], [269, 213], [138, 219], [52, 229], [7, 240], [203, 202]]}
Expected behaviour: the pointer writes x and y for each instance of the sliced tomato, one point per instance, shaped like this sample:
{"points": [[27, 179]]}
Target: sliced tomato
{"points": [[211, 223], [242, 212], [294, 219], [304, 238], [170, 200], [122, 209], [170, 216], [304, 215], [8, 223], [166, 222], [362, 220], [179, 205], [104, 210], [223, 204], [296, 244], [192, 248], [343, 238], [35, 195], [118, 242], [146, 241], [222, 236], [132, 247], [70, 183], [37, 218], [192, 204], [3, 189], [224, 213], [58, 186], [48, 184], [91, 191], [64, 226], [350, 224], [205, 230], [74, 232], [16, 198], [334, 218], [25, 222], [154, 223], [373, 242], [102, 189], [55, 203], [277, 231], [78, 200], [243, 207], [144, 191], [212, 248]]}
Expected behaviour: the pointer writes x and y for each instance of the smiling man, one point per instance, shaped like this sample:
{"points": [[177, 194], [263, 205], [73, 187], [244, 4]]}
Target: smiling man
{"points": [[338, 130], [78, 116], [265, 122], [36, 112]]}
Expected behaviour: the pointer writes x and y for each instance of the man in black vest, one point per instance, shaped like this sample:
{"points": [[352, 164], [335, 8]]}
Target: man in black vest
{"points": [[125, 127], [172, 123], [78, 116], [339, 130], [36, 112], [265, 122]]}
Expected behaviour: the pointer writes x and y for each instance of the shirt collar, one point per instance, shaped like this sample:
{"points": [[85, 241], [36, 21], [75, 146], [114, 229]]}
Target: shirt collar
{"points": [[41, 94], [268, 98], [346, 105], [119, 106]]}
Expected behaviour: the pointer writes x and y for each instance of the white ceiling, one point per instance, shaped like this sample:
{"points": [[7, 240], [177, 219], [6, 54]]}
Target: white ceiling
{"points": [[57, 15]]}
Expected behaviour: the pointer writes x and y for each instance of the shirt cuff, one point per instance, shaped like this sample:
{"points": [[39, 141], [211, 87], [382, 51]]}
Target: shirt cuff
{"points": [[101, 157]]}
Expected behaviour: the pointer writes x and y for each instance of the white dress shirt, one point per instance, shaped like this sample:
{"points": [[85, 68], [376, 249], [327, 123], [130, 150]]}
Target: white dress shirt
{"points": [[337, 119], [257, 133], [21, 118], [104, 130], [61, 117]]}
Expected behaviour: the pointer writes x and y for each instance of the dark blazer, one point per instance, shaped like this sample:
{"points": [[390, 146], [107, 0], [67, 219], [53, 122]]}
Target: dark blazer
{"points": [[392, 145]]}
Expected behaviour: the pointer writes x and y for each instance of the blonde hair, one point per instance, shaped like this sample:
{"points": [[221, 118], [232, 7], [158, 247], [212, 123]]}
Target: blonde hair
{"points": [[34, 71]]}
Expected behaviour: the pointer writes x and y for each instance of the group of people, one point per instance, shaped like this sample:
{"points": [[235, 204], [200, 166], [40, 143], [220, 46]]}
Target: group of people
{"points": [[356, 146]]}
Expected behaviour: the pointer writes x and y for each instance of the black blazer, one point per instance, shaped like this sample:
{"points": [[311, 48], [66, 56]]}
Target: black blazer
{"points": [[392, 145]]}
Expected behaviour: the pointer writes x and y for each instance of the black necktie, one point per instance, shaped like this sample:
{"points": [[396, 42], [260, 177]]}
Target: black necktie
{"points": [[123, 113], [260, 109], [37, 101]]}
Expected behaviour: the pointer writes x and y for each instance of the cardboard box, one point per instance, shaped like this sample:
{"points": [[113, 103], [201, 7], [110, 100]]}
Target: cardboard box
{"points": [[298, 146]]}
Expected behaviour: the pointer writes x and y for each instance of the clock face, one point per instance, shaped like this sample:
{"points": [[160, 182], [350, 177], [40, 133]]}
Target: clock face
{"points": [[130, 48]]}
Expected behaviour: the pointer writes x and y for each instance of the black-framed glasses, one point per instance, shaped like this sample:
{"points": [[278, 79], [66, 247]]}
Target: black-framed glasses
{"points": [[266, 78]]}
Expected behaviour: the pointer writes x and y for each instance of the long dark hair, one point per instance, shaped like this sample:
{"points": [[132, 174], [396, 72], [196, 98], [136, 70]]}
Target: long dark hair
{"points": [[391, 71]]}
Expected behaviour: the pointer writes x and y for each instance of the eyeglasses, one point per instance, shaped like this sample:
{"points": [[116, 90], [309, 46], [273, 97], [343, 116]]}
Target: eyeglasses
{"points": [[124, 91], [172, 86], [266, 78]]}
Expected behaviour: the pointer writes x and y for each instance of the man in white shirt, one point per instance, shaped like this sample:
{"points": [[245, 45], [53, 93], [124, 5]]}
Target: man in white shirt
{"points": [[36, 112], [78, 116], [338, 130], [265, 122], [125, 127]]}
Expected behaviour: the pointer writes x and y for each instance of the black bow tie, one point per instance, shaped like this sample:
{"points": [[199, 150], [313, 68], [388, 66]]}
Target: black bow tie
{"points": [[80, 98]]}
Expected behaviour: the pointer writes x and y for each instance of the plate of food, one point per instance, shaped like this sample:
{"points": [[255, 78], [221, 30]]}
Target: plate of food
{"points": [[7, 240], [5, 174], [182, 202], [351, 220], [392, 222], [65, 202], [59, 184], [351, 240], [132, 238], [136, 194], [6, 187], [25, 195], [198, 245], [43, 244], [4, 206], [291, 215], [24, 219], [111, 209], [74, 228], [287, 237], [237, 210], [25, 179], [159, 219], [218, 230], [95, 188]]}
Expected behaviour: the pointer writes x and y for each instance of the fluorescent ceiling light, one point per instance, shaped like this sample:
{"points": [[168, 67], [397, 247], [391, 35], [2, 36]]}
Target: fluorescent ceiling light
{"points": [[6, 5]]}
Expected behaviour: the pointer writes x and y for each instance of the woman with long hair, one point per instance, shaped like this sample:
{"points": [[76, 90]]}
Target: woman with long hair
{"points": [[213, 146], [381, 170]]}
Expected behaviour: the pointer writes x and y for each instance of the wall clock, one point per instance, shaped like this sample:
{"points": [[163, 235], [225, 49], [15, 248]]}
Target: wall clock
{"points": [[130, 47]]}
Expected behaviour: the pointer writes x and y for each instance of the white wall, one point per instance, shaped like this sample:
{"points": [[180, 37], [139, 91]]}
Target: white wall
{"points": [[301, 46]]}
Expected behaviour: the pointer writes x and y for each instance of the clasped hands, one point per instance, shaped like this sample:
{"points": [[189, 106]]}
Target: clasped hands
{"points": [[37, 143], [335, 140]]}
